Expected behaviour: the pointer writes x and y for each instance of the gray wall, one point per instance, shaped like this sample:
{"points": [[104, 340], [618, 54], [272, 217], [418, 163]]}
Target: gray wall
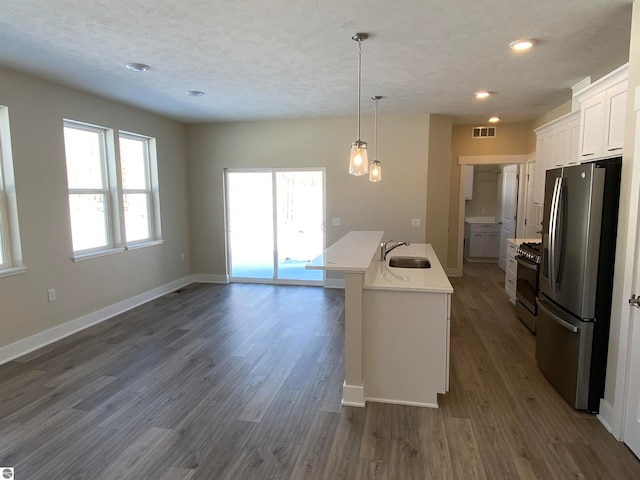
{"points": [[36, 111], [389, 205]]}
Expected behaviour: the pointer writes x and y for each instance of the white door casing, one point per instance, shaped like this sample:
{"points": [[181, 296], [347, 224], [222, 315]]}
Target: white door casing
{"points": [[631, 426]]}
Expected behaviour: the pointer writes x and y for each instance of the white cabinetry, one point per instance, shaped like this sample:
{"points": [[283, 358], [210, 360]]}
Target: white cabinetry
{"points": [[567, 135], [602, 115], [468, 182], [510, 278], [556, 146], [482, 240]]}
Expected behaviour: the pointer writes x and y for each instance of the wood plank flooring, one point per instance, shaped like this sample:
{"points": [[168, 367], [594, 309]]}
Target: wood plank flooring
{"points": [[244, 382]]}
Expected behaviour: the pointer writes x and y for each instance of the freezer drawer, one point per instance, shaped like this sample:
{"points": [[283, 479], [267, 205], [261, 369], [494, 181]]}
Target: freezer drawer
{"points": [[563, 352]]}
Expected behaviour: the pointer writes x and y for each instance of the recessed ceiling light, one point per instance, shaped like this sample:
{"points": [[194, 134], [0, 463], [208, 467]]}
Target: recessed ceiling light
{"points": [[194, 93], [482, 94], [521, 45], [137, 67], [494, 120]]}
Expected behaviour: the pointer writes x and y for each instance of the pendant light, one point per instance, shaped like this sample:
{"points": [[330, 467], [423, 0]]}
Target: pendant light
{"points": [[375, 172], [359, 160]]}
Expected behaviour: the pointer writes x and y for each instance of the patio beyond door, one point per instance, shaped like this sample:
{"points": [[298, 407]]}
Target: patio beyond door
{"points": [[275, 224]]}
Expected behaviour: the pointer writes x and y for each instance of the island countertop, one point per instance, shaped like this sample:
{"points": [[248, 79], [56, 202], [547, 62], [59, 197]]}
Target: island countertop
{"points": [[352, 253], [380, 276]]}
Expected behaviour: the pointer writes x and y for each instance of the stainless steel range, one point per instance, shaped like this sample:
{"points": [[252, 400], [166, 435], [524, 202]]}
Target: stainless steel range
{"points": [[528, 258]]}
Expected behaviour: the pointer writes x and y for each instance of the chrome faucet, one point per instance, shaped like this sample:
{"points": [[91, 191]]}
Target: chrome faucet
{"points": [[384, 248]]}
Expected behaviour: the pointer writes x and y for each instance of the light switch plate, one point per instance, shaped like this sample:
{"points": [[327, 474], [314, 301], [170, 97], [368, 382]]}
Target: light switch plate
{"points": [[415, 222], [335, 221]]}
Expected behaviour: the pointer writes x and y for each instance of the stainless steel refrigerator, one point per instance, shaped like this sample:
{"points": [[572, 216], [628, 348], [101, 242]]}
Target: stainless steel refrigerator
{"points": [[576, 278]]}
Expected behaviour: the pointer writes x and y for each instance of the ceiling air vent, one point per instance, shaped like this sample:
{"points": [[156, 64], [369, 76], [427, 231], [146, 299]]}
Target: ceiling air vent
{"points": [[483, 132]]}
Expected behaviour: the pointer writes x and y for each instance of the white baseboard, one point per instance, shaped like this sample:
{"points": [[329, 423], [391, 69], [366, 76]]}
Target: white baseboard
{"points": [[334, 283], [353, 395], [39, 340], [402, 402], [209, 278], [454, 272], [607, 419]]}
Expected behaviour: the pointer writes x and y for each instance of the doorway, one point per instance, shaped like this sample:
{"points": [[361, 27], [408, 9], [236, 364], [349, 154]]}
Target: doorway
{"points": [[275, 225], [509, 204]]}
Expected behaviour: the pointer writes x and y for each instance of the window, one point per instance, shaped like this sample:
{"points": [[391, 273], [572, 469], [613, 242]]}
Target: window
{"points": [[89, 188], [107, 212], [10, 250], [139, 197]]}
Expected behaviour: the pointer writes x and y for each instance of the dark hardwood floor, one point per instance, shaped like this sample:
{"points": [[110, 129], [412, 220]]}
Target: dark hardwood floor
{"points": [[244, 382]]}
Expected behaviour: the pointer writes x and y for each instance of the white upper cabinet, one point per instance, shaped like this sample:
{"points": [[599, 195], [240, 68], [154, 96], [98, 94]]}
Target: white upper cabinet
{"points": [[468, 183], [602, 114], [556, 146], [567, 142], [616, 106]]}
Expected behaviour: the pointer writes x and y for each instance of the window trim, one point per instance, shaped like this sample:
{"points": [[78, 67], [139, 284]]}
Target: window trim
{"points": [[152, 191], [114, 192], [109, 189], [9, 225]]}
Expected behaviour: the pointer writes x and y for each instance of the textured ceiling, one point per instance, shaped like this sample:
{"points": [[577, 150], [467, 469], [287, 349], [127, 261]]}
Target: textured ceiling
{"points": [[272, 59]]}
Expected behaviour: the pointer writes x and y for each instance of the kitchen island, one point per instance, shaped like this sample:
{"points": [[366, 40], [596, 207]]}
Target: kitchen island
{"points": [[396, 322]]}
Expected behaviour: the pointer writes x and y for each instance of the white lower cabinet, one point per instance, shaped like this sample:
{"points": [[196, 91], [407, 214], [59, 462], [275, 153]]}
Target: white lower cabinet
{"points": [[510, 278], [482, 241]]}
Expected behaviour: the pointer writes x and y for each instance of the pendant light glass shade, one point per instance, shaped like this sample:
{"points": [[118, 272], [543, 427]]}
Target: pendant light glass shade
{"points": [[359, 159], [375, 173]]}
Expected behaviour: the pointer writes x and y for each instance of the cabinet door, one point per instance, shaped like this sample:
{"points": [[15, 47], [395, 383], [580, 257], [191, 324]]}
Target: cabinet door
{"points": [[477, 244], [493, 245], [574, 156], [616, 105], [563, 145], [545, 159], [468, 182], [592, 113]]}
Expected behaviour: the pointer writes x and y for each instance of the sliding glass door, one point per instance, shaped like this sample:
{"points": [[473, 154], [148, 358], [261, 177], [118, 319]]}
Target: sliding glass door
{"points": [[275, 220]]}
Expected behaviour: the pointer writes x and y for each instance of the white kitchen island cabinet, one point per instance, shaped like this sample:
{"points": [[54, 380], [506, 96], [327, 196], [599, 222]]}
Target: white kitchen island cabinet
{"points": [[397, 323]]}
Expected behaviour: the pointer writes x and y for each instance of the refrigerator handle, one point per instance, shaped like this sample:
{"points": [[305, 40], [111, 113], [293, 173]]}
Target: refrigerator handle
{"points": [[553, 232], [557, 319]]}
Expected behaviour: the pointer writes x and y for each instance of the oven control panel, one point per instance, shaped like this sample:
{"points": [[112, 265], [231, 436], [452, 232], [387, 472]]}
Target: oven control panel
{"points": [[530, 251]]}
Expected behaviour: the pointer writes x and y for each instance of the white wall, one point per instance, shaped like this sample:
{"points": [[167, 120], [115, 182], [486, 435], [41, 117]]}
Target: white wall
{"points": [[613, 405], [389, 205], [36, 111]]}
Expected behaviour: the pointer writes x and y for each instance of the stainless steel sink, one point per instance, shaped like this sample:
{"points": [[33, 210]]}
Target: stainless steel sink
{"points": [[409, 262]]}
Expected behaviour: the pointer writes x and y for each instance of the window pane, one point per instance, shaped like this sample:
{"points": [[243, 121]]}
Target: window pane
{"points": [[136, 216], [133, 163], [84, 158], [300, 221], [88, 221], [251, 224]]}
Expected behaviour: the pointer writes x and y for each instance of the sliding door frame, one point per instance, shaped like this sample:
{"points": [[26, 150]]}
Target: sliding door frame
{"points": [[275, 280]]}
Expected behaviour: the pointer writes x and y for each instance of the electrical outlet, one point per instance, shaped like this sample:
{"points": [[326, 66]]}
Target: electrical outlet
{"points": [[415, 222], [336, 222], [51, 294]]}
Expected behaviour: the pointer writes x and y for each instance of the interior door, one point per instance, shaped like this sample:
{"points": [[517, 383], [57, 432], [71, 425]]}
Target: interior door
{"points": [[509, 209]]}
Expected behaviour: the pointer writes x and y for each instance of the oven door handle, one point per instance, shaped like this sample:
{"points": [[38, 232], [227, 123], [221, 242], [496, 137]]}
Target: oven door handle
{"points": [[527, 264]]}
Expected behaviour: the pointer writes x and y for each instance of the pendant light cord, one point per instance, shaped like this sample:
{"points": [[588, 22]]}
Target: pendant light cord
{"points": [[359, 82], [375, 128]]}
